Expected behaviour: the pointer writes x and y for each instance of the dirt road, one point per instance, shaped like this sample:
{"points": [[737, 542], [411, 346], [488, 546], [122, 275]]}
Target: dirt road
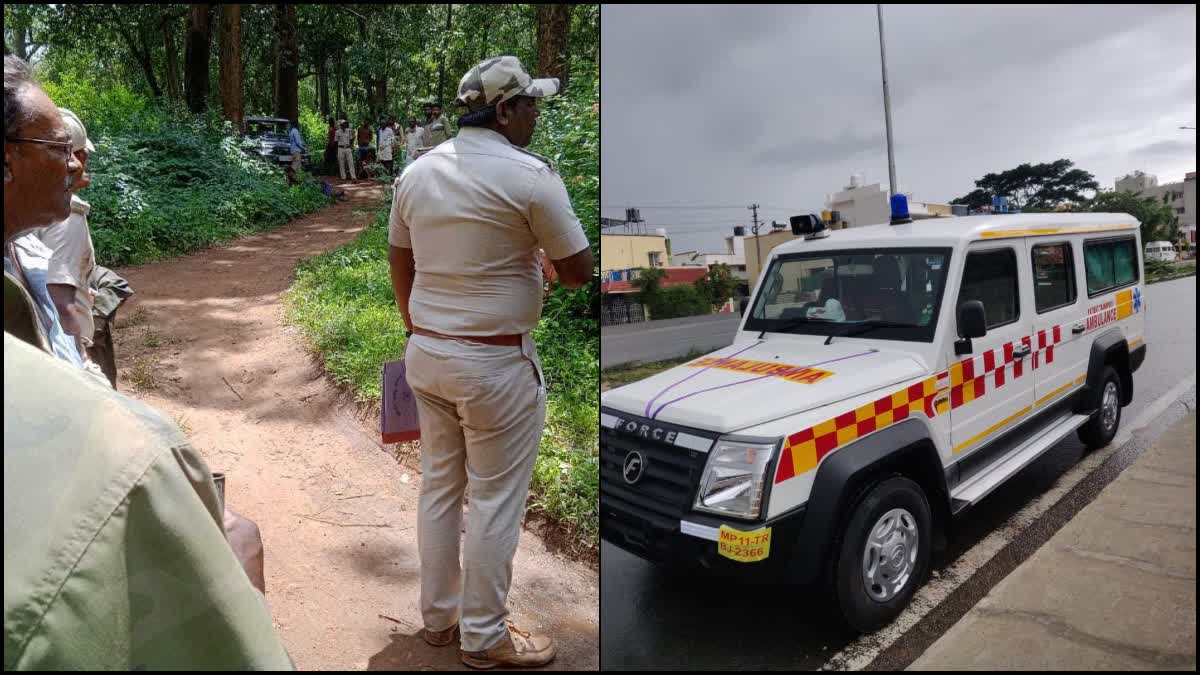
{"points": [[204, 340]]}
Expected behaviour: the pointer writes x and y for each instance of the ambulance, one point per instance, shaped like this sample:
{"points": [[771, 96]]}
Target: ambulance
{"points": [[884, 379]]}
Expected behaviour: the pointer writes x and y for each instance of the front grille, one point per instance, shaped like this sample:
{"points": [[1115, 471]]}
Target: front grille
{"points": [[638, 516]]}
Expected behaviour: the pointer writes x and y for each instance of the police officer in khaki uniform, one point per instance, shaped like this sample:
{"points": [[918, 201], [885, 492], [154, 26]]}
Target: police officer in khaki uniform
{"points": [[436, 129], [467, 222]]}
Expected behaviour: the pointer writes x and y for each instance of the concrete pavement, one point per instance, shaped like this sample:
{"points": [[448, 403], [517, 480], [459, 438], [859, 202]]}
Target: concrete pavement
{"points": [[1114, 589]]}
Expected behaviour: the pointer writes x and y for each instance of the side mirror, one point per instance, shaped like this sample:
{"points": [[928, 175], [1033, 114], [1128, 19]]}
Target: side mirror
{"points": [[972, 321], [743, 304]]}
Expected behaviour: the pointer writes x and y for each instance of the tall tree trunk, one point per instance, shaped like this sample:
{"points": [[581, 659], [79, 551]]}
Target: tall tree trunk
{"points": [[231, 63], [340, 80], [553, 23], [196, 69], [323, 85], [287, 97], [167, 24], [19, 43], [445, 41]]}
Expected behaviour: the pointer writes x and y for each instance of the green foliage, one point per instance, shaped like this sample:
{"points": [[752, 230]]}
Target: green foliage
{"points": [[568, 133], [648, 283], [181, 184], [1158, 268], [1033, 186], [314, 129], [676, 301], [620, 376], [1159, 221], [717, 285]]}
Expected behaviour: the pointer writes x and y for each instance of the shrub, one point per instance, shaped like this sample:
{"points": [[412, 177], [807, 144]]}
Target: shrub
{"points": [[677, 301]]}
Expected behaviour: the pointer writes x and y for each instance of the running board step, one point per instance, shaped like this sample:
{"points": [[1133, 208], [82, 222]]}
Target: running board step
{"points": [[1016, 459]]}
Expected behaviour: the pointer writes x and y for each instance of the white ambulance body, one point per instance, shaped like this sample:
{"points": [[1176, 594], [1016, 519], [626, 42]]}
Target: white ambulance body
{"points": [[884, 379]]}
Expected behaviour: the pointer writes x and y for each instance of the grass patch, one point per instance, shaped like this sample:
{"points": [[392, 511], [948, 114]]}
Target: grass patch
{"points": [[139, 317], [343, 303], [1161, 270], [184, 425], [612, 378], [151, 340], [144, 373]]}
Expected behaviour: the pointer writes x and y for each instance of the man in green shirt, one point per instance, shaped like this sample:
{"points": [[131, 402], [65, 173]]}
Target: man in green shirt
{"points": [[116, 553]]}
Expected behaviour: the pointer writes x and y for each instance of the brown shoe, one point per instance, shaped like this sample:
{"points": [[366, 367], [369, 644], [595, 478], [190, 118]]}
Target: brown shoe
{"points": [[441, 638], [518, 649]]}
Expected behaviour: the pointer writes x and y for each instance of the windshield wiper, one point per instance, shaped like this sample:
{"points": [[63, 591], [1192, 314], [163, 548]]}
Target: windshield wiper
{"points": [[867, 327], [795, 324]]}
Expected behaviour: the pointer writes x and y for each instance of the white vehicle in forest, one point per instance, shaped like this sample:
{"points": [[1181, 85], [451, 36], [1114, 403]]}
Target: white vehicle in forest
{"points": [[884, 380]]}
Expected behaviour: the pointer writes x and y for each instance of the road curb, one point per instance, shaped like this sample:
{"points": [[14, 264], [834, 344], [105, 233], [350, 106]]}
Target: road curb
{"points": [[1142, 433], [1127, 602]]}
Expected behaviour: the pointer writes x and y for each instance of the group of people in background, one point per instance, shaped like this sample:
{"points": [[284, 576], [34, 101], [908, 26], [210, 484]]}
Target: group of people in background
{"points": [[352, 152]]}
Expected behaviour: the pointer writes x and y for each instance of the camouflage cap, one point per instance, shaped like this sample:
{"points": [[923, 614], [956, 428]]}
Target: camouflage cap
{"points": [[499, 79]]}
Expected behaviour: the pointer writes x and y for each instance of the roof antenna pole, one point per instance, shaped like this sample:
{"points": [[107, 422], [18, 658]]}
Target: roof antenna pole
{"points": [[887, 105]]}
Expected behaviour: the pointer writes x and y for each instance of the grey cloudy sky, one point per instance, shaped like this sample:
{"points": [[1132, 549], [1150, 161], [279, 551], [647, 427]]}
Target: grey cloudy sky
{"points": [[721, 106]]}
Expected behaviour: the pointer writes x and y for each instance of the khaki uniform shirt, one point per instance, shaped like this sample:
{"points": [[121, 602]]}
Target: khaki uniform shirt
{"points": [[115, 556], [437, 131], [74, 259], [475, 210]]}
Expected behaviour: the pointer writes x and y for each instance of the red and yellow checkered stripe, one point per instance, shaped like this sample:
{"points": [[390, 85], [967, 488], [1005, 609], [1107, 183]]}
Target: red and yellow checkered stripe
{"points": [[803, 450], [967, 381]]}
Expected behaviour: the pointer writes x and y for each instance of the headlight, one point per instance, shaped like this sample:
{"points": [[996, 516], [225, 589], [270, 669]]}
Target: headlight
{"points": [[734, 479]]}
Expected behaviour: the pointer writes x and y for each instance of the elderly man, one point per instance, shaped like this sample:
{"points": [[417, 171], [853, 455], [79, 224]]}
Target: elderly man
{"points": [[74, 258], [467, 222], [115, 549]]}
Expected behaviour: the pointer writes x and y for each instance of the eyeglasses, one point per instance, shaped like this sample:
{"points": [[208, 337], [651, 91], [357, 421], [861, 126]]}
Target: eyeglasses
{"points": [[65, 146]]}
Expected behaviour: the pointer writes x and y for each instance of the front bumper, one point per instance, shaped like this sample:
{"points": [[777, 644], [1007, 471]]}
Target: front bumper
{"points": [[653, 519], [692, 540]]}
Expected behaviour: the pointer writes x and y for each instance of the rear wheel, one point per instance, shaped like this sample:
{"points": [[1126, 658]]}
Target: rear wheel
{"points": [[882, 555], [1102, 427]]}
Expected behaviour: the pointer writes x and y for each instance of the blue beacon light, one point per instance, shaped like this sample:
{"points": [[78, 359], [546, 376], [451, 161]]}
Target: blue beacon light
{"points": [[900, 210]]}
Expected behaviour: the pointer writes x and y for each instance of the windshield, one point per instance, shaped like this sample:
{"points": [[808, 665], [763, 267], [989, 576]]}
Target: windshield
{"points": [[266, 129], [898, 291]]}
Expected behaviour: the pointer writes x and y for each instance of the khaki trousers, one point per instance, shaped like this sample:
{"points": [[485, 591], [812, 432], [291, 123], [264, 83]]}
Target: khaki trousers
{"points": [[345, 159], [482, 410]]}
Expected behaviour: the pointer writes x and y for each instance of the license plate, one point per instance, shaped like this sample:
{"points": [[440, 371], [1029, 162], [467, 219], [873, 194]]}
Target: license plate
{"points": [[744, 546]]}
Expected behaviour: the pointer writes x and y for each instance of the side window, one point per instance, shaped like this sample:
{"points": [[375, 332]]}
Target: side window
{"points": [[1110, 264], [991, 277], [1053, 276]]}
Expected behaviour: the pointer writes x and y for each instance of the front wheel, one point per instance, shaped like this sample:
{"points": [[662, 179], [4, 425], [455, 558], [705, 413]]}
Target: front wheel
{"points": [[882, 555], [1102, 427]]}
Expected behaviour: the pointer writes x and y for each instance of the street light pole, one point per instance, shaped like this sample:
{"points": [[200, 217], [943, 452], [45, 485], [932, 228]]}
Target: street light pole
{"points": [[887, 104]]}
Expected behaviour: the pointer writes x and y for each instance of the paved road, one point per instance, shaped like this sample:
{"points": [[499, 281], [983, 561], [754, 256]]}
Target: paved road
{"points": [[659, 619], [658, 340]]}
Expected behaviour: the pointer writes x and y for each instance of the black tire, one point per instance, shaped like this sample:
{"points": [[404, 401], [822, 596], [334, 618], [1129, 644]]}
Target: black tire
{"points": [[845, 582], [1095, 433]]}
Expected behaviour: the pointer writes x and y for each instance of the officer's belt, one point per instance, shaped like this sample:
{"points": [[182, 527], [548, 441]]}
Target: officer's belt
{"points": [[500, 340]]}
